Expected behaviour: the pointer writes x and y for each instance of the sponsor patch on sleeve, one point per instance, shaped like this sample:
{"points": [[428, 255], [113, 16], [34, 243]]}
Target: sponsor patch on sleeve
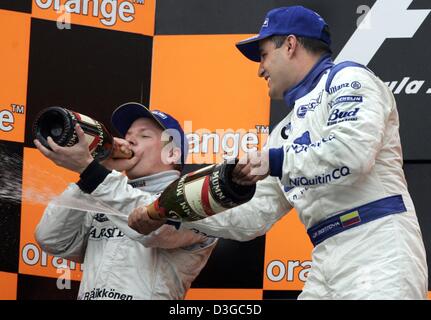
{"points": [[346, 99], [338, 116]]}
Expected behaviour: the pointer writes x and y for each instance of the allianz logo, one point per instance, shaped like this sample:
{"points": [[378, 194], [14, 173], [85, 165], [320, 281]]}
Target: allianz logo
{"points": [[354, 85], [109, 11]]}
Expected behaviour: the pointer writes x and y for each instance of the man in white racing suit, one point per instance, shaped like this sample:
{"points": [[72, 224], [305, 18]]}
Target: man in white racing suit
{"points": [[336, 158], [120, 263]]}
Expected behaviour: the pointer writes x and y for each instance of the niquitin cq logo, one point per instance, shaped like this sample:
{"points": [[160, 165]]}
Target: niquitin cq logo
{"points": [[108, 9]]}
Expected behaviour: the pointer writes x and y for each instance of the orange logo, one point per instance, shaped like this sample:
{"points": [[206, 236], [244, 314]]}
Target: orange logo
{"points": [[11, 121], [290, 271], [108, 11], [208, 146], [6, 120], [117, 14]]}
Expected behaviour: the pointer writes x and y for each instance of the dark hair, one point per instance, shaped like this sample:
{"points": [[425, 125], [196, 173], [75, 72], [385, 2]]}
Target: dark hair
{"points": [[278, 40], [311, 45], [314, 45]]}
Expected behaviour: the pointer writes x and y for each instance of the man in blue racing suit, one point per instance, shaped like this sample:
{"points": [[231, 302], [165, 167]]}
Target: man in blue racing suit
{"points": [[337, 159]]}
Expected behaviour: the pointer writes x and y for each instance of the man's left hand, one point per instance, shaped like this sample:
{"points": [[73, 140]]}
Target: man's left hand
{"points": [[75, 158]]}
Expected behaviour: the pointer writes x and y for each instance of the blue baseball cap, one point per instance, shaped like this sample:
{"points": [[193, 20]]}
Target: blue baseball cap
{"points": [[295, 20], [126, 114]]}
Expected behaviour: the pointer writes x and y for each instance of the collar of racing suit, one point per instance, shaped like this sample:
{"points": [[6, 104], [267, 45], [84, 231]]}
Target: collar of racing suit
{"points": [[310, 81], [155, 182]]}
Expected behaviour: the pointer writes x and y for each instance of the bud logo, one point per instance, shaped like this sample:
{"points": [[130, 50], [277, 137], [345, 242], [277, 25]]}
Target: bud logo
{"points": [[107, 10], [337, 116]]}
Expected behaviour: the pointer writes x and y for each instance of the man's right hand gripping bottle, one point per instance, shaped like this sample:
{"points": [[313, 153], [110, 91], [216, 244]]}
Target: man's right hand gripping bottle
{"points": [[200, 194]]}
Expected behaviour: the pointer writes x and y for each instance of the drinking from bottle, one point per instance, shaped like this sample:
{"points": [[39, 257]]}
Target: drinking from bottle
{"points": [[59, 124], [200, 194]]}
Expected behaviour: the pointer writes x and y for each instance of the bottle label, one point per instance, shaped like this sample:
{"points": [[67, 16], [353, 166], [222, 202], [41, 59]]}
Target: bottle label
{"points": [[198, 196], [217, 190], [181, 209], [93, 137]]}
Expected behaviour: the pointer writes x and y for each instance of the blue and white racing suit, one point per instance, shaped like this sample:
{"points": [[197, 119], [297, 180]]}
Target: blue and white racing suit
{"points": [[337, 159]]}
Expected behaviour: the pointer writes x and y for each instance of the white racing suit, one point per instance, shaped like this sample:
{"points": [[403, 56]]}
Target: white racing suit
{"points": [[338, 161], [119, 263]]}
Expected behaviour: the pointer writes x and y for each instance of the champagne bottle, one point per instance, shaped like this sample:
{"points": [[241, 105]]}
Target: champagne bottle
{"points": [[59, 123], [200, 194]]}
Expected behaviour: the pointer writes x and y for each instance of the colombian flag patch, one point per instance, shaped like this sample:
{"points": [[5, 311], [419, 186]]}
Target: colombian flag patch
{"points": [[350, 218]]}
